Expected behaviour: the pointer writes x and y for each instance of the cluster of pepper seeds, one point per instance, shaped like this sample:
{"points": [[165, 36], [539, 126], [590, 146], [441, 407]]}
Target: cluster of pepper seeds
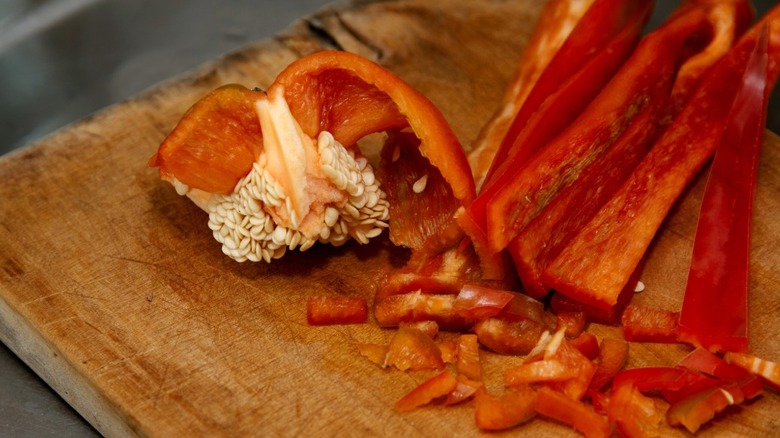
{"points": [[245, 229]]}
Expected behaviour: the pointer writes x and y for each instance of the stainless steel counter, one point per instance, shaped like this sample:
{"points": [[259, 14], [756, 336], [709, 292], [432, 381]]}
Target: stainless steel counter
{"points": [[61, 60]]}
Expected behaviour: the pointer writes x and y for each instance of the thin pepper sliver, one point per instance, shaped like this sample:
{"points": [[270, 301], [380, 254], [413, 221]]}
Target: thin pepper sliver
{"points": [[598, 262], [714, 313]]}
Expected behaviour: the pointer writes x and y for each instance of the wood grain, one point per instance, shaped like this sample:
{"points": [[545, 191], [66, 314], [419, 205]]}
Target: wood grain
{"points": [[112, 289]]}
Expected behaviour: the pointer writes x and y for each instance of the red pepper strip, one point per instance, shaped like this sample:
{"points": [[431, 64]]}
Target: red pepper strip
{"points": [[593, 133], [417, 306], [554, 25], [611, 316], [498, 412], [699, 408], [578, 415], [613, 355], [633, 414], [329, 310], [648, 379], [647, 324], [587, 344], [715, 307], [597, 263], [468, 363], [703, 361], [437, 386], [560, 99], [464, 390], [443, 273], [412, 349], [767, 371], [478, 302], [548, 233], [509, 336]]}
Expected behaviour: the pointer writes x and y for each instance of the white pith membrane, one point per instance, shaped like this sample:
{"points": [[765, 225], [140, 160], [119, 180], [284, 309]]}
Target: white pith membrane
{"points": [[333, 194]]}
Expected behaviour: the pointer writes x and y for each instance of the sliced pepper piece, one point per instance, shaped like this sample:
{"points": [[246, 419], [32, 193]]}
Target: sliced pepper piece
{"points": [[499, 412], [437, 386], [714, 313], [574, 413], [613, 355], [336, 309], [468, 363], [648, 324], [767, 370], [411, 349], [633, 414], [699, 408], [507, 336], [598, 262], [705, 362]]}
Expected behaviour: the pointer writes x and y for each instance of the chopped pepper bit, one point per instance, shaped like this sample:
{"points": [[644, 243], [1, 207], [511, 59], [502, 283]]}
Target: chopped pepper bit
{"points": [[339, 197]]}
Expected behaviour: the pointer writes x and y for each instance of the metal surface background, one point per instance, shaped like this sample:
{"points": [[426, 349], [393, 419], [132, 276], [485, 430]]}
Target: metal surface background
{"points": [[61, 60]]}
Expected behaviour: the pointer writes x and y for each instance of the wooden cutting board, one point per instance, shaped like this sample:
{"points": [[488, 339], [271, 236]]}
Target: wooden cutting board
{"points": [[112, 289]]}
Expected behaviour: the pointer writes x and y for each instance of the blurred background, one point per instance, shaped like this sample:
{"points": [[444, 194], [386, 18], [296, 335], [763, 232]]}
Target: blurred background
{"points": [[61, 60]]}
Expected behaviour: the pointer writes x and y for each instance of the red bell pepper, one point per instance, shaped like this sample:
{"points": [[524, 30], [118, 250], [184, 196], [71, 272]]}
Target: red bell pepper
{"points": [[416, 307], [596, 265], [701, 407], [499, 412], [633, 414], [437, 386], [576, 414], [602, 39], [647, 324], [464, 390], [413, 349], [572, 322], [538, 371], [574, 360], [767, 371], [337, 309], [468, 363], [714, 313], [705, 362], [509, 336], [479, 302], [613, 355], [587, 344], [219, 139]]}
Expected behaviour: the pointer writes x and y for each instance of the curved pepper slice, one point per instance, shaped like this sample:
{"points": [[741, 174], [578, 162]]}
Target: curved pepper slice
{"points": [[219, 140]]}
